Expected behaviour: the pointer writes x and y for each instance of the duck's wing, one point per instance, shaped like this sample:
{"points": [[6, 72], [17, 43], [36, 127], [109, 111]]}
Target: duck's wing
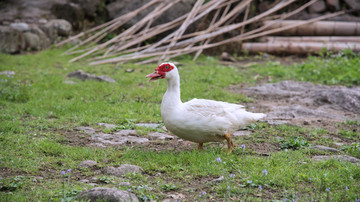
{"points": [[233, 114], [209, 108]]}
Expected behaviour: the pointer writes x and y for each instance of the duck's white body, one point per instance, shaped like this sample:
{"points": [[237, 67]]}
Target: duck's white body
{"points": [[199, 120]]}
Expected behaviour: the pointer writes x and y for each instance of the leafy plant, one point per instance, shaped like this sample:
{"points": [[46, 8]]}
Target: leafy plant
{"points": [[294, 143], [12, 90], [168, 187], [353, 149]]}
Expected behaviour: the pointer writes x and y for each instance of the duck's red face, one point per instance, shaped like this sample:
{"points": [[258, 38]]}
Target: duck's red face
{"points": [[160, 71]]}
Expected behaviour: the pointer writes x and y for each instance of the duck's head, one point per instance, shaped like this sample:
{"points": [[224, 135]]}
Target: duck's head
{"points": [[165, 70]]}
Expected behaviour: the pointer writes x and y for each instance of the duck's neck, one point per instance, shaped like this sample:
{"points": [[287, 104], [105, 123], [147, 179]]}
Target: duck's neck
{"points": [[171, 98]]}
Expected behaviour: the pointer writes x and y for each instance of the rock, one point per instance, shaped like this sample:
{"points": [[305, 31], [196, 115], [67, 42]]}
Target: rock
{"points": [[93, 184], [118, 138], [354, 4], [218, 179], [126, 132], [32, 41], [125, 184], [97, 145], [120, 7], [338, 97], [86, 130], [333, 5], [344, 158], [324, 148], [90, 7], [317, 7], [69, 82], [87, 164], [63, 27], [84, 181], [277, 122], [306, 101], [177, 196], [20, 26], [160, 136], [71, 12], [107, 125], [227, 57], [44, 39], [7, 73], [123, 170], [50, 31], [241, 133], [11, 40], [85, 76], [107, 194], [148, 125], [339, 144]]}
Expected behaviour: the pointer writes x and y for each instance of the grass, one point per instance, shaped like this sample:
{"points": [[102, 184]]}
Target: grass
{"points": [[38, 111]]}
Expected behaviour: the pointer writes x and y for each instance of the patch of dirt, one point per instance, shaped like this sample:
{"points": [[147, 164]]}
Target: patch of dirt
{"points": [[303, 103]]}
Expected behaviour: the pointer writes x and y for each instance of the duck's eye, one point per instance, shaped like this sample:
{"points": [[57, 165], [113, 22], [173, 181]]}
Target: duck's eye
{"points": [[166, 67]]}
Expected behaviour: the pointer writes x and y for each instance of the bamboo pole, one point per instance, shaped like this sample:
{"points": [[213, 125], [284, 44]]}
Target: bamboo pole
{"points": [[323, 28], [237, 38], [324, 39], [299, 47]]}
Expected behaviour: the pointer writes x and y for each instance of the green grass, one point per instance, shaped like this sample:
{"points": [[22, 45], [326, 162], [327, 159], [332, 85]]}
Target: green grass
{"points": [[329, 69], [38, 112]]}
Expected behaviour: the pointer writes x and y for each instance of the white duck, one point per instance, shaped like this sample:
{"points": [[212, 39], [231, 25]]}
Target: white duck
{"points": [[199, 120]]}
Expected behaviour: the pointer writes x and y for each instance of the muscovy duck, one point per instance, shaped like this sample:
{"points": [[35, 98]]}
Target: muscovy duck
{"points": [[199, 120]]}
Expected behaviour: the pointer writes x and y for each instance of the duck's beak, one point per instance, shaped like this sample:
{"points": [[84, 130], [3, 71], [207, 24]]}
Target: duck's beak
{"points": [[154, 76]]}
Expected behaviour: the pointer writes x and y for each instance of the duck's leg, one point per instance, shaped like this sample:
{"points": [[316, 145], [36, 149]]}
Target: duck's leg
{"points": [[230, 143], [200, 147]]}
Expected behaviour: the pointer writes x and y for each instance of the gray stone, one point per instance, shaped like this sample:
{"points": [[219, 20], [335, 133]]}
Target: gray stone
{"points": [[121, 7], [20, 26], [118, 138], [107, 125], [344, 158], [307, 101], [11, 40], [7, 73], [354, 4], [90, 7], [84, 181], [324, 148], [123, 170], [70, 12], [148, 125], [32, 41], [50, 31], [86, 130], [87, 164], [44, 39], [93, 184], [69, 82], [107, 194], [126, 132], [160, 136], [339, 144], [317, 7], [125, 184], [241, 133], [97, 145], [221, 178], [333, 5], [85, 76], [62, 26]]}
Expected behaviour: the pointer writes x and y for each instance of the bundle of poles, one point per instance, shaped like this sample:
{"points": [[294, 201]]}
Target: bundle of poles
{"points": [[132, 44]]}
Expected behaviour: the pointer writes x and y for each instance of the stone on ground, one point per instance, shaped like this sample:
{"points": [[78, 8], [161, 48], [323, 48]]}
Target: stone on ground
{"points": [[123, 170], [107, 194]]}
